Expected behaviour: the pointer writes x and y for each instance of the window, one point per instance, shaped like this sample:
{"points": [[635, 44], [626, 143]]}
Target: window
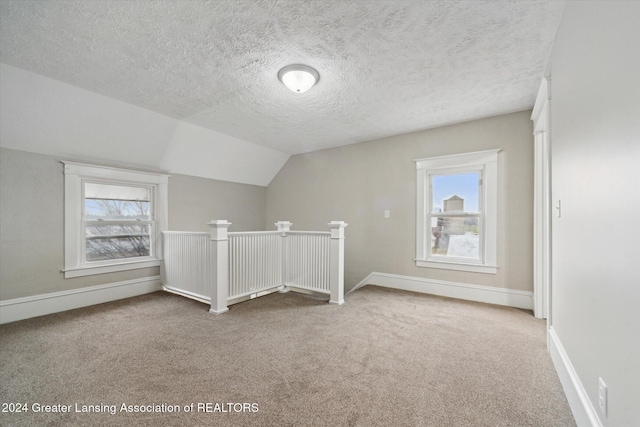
{"points": [[118, 220], [113, 219], [457, 212]]}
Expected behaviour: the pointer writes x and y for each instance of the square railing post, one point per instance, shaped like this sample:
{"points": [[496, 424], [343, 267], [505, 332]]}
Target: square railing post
{"points": [[219, 263], [336, 262], [284, 227]]}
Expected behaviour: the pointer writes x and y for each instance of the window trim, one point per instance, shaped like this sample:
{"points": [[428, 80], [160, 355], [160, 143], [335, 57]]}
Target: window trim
{"points": [[487, 161], [76, 174]]}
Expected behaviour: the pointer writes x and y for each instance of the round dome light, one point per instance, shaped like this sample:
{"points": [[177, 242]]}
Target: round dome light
{"points": [[298, 78]]}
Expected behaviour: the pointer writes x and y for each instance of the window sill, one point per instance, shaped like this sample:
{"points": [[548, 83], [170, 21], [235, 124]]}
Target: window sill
{"points": [[446, 265], [109, 268]]}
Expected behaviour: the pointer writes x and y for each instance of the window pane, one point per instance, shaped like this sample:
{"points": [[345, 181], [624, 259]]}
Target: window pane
{"points": [[455, 237], [117, 241], [455, 193], [116, 202]]}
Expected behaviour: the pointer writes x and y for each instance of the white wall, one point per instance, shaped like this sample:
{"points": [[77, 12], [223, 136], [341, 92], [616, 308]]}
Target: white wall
{"points": [[42, 115], [595, 125]]}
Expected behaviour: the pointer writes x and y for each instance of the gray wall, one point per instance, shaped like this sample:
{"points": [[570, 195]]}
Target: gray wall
{"points": [[193, 202], [358, 182], [32, 221], [595, 137]]}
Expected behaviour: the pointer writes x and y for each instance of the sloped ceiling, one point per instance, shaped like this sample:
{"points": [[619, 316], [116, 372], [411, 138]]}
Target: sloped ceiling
{"points": [[386, 67]]}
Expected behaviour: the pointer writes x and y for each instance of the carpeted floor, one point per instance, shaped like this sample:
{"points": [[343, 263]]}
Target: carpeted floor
{"points": [[385, 358]]}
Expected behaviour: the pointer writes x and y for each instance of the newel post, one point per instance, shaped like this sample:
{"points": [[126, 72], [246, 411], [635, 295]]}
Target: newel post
{"points": [[284, 227], [336, 262], [219, 261]]}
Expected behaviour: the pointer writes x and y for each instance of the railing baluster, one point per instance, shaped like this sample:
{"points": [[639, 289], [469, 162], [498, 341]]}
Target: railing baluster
{"points": [[255, 261]]}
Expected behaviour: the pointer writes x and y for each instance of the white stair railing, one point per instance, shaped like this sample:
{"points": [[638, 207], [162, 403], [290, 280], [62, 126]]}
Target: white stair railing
{"points": [[254, 262], [187, 269], [307, 260], [222, 268], [219, 260]]}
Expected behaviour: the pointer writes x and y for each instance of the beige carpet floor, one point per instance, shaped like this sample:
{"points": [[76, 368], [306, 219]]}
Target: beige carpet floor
{"points": [[385, 358]]}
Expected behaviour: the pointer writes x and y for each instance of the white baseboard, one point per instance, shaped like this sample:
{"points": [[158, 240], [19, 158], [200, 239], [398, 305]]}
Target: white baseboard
{"points": [[38, 305], [488, 294], [581, 407]]}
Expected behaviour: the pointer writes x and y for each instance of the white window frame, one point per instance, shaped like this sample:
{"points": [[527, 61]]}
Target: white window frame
{"points": [[487, 163], [75, 176]]}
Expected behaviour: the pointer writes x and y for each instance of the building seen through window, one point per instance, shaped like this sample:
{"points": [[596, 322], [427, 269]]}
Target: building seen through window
{"points": [[455, 231]]}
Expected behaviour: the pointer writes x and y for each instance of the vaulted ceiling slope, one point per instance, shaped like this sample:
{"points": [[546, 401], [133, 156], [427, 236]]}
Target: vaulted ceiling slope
{"points": [[386, 67]]}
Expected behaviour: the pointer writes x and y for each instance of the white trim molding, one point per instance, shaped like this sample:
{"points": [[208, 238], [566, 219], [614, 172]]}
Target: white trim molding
{"points": [[460, 266], [102, 269], [465, 291], [583, 411], [542, 202], [39, 305], [485, 163], [75, 176]]}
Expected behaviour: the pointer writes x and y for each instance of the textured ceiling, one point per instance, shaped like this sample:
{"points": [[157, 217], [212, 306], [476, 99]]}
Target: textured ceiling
{"points": [[386, 67]]}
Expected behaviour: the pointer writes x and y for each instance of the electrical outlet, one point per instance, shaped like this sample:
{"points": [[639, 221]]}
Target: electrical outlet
{"points": [[387, 214], [602, 396]]}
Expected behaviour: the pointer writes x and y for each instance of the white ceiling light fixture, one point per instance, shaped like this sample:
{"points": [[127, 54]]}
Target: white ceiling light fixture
{"points": [[298, 78]]}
